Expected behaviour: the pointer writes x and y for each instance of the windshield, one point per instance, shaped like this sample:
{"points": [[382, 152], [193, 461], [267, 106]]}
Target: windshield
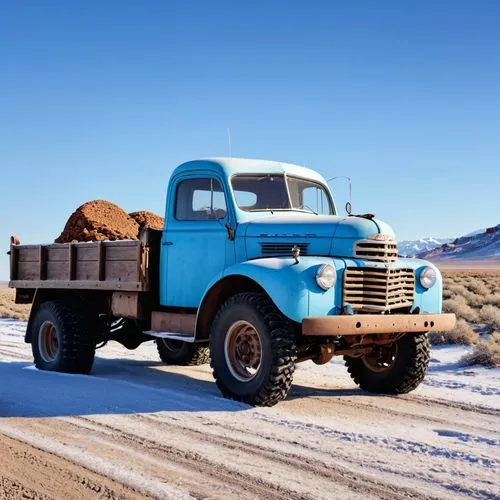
{"points": [[278, 192]]}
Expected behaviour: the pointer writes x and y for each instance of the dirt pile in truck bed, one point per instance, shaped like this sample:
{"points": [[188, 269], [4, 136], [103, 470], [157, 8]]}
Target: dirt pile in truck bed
{"points": [[103, 220], [99, 220], [145, 218]]}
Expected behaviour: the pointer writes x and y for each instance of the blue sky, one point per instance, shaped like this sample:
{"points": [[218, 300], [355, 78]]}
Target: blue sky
{"points": [[104, 99]]}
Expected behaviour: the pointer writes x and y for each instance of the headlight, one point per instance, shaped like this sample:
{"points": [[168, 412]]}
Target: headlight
{"points": [[428, 277], [326, 276]]}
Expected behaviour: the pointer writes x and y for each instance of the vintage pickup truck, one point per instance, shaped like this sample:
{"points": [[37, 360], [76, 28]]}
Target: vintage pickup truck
{"points": [[254, 270]]}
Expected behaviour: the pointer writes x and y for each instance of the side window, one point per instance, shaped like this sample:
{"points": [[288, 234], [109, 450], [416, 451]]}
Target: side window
{"points": [[308, 195], [246, 200], [315, 199], [200, 199]]}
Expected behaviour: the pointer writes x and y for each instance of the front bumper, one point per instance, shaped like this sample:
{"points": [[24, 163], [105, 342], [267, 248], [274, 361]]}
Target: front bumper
{"points": [[363, 324]]}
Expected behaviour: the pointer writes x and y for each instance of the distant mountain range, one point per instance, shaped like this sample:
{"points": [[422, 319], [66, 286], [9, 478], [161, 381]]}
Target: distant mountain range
{"points": [[484, 244], [411, 248]]}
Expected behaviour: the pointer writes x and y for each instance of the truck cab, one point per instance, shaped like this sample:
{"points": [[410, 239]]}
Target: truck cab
{"points": [[256, 269], [217, 210], [242, 231]]}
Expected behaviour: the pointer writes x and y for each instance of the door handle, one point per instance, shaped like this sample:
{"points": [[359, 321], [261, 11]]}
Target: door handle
{"points": [[167, 243]]}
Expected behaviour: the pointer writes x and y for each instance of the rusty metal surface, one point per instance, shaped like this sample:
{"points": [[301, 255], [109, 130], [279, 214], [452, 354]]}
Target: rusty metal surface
{"points": [[381, 251], [376, 323], [173, 322], [378, 289]]}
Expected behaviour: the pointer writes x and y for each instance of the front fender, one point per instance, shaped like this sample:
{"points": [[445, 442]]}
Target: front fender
{"points": [[290, 285]]}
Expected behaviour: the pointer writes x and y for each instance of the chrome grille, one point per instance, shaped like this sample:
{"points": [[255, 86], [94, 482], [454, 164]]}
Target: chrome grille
{"points": [[373, 289], [282, 248], [381, 251]]}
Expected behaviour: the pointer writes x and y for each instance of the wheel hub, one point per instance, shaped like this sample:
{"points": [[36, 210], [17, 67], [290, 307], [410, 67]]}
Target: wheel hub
{"points": [[382, 359], [243, 351], [48, 341]]}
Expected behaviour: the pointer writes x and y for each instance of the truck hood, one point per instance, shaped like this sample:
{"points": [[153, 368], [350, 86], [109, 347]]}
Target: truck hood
{"points": [[314, 234]]}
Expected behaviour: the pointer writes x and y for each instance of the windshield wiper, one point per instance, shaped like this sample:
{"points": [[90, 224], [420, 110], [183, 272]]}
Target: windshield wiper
{"points": [[309, 209], [262, 210]]}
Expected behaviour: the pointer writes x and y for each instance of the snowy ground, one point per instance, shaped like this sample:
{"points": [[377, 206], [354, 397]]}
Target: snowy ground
{"points": [[138, 428]]}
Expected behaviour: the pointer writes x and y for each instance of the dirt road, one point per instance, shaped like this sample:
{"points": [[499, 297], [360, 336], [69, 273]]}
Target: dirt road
{"points": [[136, 428], [28, 472]]}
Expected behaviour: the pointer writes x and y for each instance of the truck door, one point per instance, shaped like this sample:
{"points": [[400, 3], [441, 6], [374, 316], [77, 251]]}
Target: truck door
{"points": [[195, 243]]}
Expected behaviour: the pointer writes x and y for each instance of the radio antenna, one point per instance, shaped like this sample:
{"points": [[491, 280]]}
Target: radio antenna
{"points": [[229, 140]]}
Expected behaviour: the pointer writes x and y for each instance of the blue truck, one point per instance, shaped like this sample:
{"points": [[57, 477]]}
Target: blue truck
{"points": [[254, 272]]}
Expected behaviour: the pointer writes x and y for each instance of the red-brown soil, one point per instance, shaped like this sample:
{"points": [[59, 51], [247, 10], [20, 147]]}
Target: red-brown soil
{"points": [[99, 220], [148, 219]]}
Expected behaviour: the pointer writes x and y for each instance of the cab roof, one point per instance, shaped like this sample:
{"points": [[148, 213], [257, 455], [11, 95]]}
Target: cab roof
{"points": [[230, 166]]}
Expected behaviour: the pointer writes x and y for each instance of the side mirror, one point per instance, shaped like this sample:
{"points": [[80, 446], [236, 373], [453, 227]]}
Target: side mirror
{"points": [[348, 206]]}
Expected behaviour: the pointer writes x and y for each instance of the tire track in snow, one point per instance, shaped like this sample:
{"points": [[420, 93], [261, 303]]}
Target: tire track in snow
{"points": [[409, 408], [310, 464], [316, 459], [94, 463], [484, 390], [168, 462], [368, 467], [394, 444]]}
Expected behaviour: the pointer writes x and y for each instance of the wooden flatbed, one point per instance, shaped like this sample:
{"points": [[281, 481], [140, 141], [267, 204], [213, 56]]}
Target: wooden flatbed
{"points": [[125, 265]]}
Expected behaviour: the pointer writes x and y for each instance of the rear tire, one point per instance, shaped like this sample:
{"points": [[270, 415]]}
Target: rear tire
{"points": [[62, 338], [177, 352], [253, 350], [395, 369]]}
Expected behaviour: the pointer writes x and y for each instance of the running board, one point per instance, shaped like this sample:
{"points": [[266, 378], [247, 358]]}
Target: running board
{"points": [[171, 336]]}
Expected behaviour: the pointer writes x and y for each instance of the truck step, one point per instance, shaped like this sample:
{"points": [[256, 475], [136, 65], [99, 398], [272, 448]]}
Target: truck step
{"points": [[171, 336]]}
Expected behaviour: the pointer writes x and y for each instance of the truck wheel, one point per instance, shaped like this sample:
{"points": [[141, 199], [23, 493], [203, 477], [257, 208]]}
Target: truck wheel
{"points": [[62, 339], [395, 369], [177, 352], [253, 350]]}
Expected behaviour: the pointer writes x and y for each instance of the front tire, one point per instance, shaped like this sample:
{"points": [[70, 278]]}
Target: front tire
{"points": [[253, 350], [62, 339], [177, 352], [395, 369]]}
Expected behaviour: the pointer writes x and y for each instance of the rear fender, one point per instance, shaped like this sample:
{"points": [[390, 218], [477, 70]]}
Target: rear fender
{"points": [[91, 301]]}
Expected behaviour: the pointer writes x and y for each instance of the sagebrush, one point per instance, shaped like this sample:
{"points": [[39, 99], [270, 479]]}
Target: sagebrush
{"points": [[474, 297], [486, 352], [9, 309], [462, 333]]}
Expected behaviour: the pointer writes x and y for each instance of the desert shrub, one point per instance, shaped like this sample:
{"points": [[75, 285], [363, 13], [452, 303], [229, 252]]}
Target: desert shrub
{"points": [[493, 299], [486, 352], [450, 291], [458, 305], [479, 287], [490, 315], [462, 333], [9, 309], [472, 299], [436, 338]]}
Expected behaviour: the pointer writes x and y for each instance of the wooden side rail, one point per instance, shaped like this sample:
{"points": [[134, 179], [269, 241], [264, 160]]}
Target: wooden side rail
{"points": [[108, 265]]}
